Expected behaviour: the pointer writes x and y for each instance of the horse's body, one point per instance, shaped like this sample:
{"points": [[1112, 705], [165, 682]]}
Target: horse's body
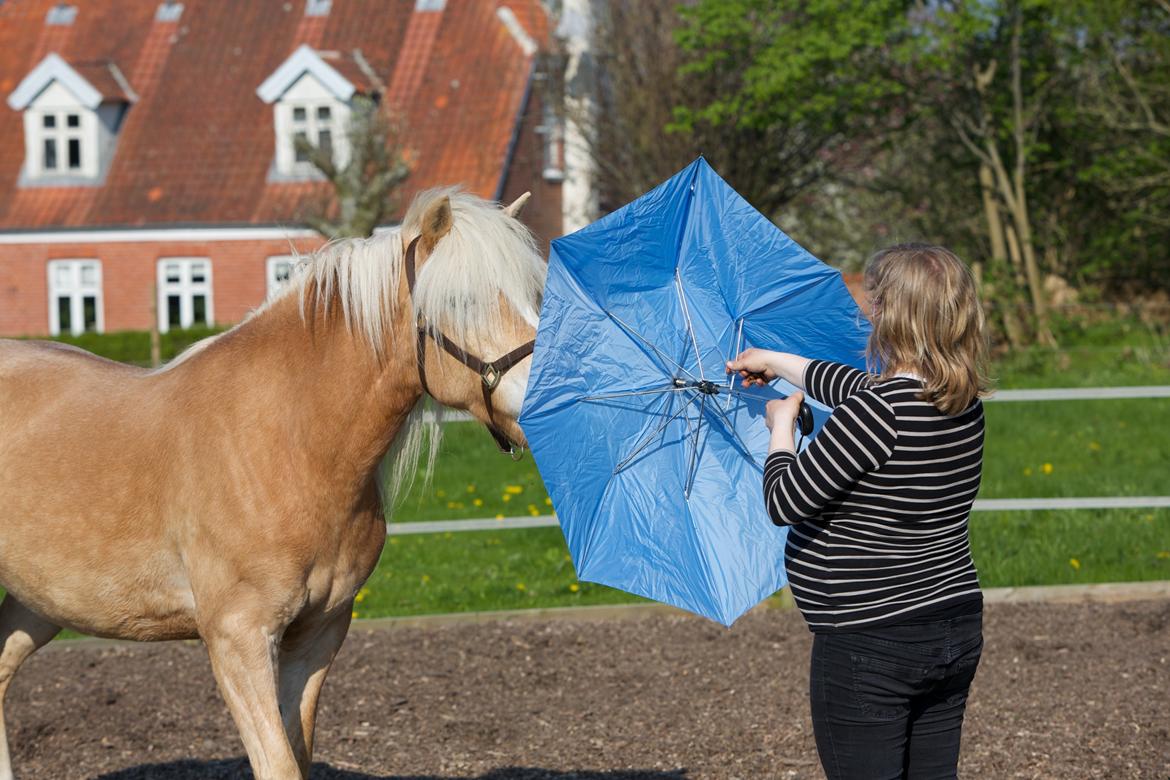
{"points": [[234, 496]]}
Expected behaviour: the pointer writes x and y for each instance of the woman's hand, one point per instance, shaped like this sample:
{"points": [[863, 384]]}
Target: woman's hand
{"points": [[781, 413], [756, 366]]}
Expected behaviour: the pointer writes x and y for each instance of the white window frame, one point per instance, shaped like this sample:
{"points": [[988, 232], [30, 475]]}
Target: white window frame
{"points": [[186, 288], [60, 135], [311, 125], [272, 274], [67, 280]]}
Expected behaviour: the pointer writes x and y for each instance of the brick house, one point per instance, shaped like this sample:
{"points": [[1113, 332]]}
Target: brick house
{"points": [[146, 160]]}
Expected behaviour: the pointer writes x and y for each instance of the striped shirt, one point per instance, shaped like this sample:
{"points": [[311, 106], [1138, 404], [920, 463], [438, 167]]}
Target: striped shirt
{"points": [[878, 504]]}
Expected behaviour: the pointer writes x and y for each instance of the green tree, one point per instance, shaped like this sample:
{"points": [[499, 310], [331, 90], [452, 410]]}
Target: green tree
{"points": [[862, 78]]}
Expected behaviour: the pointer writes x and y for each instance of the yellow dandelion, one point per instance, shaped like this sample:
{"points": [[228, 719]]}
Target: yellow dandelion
{"points": [[533, 513], [499, 517], [507, 496], [1028, 471], [452, 504], [1095, 446], [478, 502], [1163, 554], [1073, 562], [568, 557], [359, 598], [393, 540], [441, 493], [574, 587], [1046, 468], [471, 488], [520, 586], [532, 507], [514, 489], [1148, 518], [426, 578], [353, 616], [548, 502]]}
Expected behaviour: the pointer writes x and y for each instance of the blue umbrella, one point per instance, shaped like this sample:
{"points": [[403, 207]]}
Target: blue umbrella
{"points": [[652, 455]]}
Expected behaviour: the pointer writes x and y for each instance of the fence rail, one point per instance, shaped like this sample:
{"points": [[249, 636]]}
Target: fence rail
{"points": [[987, 505]]}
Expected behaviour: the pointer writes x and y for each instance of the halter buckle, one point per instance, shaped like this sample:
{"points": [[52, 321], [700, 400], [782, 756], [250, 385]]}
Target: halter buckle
{"points": [[490, 376]]}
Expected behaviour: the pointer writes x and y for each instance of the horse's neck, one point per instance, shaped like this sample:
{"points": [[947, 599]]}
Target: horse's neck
{"points": [[340, 404]]}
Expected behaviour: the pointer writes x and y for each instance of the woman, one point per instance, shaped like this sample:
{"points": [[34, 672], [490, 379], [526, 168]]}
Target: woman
{"points": [[878, 555]]}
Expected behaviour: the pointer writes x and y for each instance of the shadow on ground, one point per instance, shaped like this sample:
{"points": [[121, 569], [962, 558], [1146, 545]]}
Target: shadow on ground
{"points": [[237, 769]]}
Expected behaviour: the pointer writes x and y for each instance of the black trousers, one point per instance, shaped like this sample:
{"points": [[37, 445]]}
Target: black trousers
{"points": [[888, 702]]}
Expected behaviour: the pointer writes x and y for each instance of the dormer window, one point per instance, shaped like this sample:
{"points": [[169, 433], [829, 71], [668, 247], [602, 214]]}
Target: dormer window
{"points": [[313, 122], [62, 139], [71, 119], [311, 95]]}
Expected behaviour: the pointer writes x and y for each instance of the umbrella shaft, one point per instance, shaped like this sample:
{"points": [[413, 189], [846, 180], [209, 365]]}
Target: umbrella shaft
{"points": [[704, 386]]}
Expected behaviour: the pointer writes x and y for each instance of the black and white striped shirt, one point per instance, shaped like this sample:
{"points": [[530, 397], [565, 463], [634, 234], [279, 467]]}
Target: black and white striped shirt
{"points": [[878, 504]]}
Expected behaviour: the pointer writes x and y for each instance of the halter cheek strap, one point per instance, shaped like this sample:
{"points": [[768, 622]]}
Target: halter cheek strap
{"points": [[490, 373]]}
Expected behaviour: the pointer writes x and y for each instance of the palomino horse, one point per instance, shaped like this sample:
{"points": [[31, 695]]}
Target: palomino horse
{"points": [[236, 495]]}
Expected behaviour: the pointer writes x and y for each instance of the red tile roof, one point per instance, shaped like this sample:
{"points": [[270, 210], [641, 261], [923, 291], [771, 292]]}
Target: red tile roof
{"points": [[197, 146]]}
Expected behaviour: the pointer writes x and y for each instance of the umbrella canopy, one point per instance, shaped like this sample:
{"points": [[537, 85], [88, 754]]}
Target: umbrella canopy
{"points": [[653, 457]]}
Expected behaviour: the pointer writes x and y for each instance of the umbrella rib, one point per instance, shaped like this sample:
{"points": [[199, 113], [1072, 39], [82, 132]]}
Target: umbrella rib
{"points": [[647, 342], [690, 326], [626, 393], [735, 391], [647, 440], [731, 376], [695, 449], [735, 433]]}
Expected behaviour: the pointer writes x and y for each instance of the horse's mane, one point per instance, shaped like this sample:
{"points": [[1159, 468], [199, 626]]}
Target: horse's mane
{"points": [[486, 255]]}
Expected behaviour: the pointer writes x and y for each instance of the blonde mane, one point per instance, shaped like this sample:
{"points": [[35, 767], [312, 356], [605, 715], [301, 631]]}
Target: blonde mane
{"points": [[486, 256]]}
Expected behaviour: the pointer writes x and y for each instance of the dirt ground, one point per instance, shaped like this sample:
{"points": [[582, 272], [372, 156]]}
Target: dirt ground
{"points": [[1064, 691]]}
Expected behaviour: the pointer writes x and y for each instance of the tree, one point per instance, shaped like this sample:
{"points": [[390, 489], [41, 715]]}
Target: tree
{"points": [[1123, 94], [650, 110], [870, 76], [364, 186]]}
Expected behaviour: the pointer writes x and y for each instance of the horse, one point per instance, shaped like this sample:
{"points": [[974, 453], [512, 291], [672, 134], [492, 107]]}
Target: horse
{"points": [[238, 495]]}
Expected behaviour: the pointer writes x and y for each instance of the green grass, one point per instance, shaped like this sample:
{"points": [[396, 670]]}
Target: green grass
{"points": [[476, 571], [1037, 449], [1091, 448], [1109, 352], [519, 569], [473, 479], [1069, 547]]}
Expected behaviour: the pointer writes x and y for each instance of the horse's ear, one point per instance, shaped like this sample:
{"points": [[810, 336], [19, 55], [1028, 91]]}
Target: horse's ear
{"points": [[436, 222], [517, 205]]}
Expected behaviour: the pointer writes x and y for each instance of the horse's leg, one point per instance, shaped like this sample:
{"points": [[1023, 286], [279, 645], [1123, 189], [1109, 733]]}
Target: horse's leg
{"points": [[243, 651], [305, 658], [21, 633]]}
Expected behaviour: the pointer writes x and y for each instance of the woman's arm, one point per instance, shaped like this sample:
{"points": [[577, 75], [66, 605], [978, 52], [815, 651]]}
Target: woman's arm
{"points": [[760, 366], [858, 438], [826, 382]]}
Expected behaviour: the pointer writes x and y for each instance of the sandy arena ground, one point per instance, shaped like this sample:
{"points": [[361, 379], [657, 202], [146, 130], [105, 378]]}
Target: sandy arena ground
{"points": [[1064, 691]]}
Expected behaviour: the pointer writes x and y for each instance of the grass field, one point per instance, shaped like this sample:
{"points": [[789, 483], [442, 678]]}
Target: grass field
{"points": [[489, 570], [1034, 449], [1109, 352]]}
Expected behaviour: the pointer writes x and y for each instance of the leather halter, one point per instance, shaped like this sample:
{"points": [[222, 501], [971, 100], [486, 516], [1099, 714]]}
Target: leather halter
{"points": [[490, 373]]}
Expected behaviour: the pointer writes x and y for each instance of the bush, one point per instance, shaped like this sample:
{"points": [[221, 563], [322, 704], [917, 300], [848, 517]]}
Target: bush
{"points": [[133, 346]]}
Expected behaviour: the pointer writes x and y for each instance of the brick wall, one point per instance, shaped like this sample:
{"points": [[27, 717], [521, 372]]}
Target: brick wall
{"points": [[129, 272]]}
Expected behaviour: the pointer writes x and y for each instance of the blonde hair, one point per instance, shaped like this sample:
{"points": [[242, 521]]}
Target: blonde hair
{"points": [[927, 318]]}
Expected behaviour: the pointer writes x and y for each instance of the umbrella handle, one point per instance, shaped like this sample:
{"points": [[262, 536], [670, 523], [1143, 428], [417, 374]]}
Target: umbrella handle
{"points": [[804, 419]]}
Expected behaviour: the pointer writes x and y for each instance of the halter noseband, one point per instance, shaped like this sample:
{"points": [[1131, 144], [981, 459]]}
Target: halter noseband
{"points": [[489, 372]]}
